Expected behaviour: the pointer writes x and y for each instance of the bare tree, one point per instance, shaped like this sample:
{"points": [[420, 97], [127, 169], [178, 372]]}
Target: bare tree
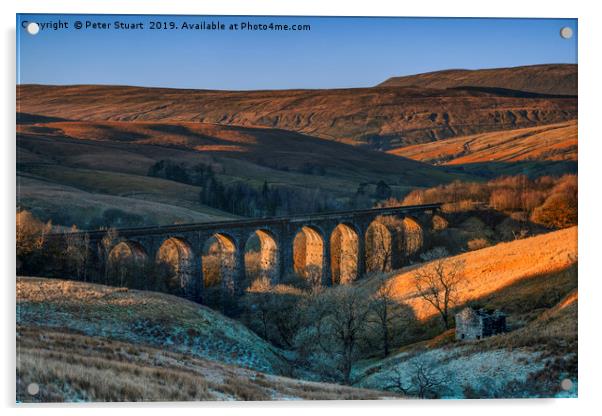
{"points": [[313, 274], [273, 311], [339, 316], [287, 316], [426, 379], [438, 282], [386, 314], [77, 251], [258, 301], [380, 249]]}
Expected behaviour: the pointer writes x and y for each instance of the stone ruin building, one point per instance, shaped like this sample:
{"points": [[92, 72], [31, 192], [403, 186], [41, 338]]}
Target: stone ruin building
{"points": [[475, 324]]}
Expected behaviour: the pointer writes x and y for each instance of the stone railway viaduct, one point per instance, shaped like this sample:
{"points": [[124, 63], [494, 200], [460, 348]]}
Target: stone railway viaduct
{"points": [[188, 243]]}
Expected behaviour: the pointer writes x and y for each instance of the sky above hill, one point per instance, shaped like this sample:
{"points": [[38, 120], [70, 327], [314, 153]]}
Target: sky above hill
{"points": [[332, 53]]}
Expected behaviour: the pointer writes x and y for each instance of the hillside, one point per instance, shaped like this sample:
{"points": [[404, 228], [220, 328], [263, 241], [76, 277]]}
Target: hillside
{"points": [[145, 142], [556, 142], [87, 342], [381, 118], [60, 195], [497, 268], [145, 318], [536, 151], [560, 79], [529, 362], [95, 174], [534, 282]]}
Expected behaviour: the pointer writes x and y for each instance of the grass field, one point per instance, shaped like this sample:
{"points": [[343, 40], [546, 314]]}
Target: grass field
{"points": [[70, 367], [67, 205], [146, 318], [125, 185]]}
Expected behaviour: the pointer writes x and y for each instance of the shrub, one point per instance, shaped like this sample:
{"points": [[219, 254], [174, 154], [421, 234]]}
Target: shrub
{"points": [[478, 243], [559, 211]]}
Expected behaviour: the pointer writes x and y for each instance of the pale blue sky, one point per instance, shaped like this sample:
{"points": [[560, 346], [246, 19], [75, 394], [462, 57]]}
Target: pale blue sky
{"points": [[336, 52]]}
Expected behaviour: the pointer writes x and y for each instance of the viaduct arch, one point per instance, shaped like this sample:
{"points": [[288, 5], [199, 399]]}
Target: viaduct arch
{"points": [[326, 249]]}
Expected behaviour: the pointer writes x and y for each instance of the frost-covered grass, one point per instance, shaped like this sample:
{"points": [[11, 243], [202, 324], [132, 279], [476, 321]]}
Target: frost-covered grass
{"points": [[529, 362], [491, 370], [140, 317], [75, 368]]}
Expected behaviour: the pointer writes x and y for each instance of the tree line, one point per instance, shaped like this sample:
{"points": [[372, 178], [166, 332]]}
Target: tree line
{"points": [[252, 200], [548, 200]]}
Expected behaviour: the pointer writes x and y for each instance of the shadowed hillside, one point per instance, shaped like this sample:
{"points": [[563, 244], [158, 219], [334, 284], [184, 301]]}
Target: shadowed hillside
{"points": [[271, 148], [109, 173], [381, 118], [557, 79], [144, 346], [146, 318]]}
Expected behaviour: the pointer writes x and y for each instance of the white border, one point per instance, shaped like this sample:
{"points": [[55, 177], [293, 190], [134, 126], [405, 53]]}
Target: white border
{"points": [[590, 152]]}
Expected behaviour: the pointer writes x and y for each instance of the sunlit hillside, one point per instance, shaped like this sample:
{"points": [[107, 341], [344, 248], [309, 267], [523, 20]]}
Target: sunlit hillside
{"points": [[557, 142], [494, 269], [383, 117]]}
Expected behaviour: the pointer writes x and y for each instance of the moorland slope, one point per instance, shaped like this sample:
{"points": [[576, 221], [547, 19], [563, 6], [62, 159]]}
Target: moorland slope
{"points": [[557, 79], [380, 118], [146, 318], [555, 142]]}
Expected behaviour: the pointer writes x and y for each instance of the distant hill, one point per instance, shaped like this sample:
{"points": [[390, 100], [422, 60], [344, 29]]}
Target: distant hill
{"points": [[379, 118], [556, 79]]}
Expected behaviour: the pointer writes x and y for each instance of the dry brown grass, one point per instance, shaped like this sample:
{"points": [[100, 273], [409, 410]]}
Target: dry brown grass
{"points": [[495, 268], [350, 115], [73, 367], [554, 142]]}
